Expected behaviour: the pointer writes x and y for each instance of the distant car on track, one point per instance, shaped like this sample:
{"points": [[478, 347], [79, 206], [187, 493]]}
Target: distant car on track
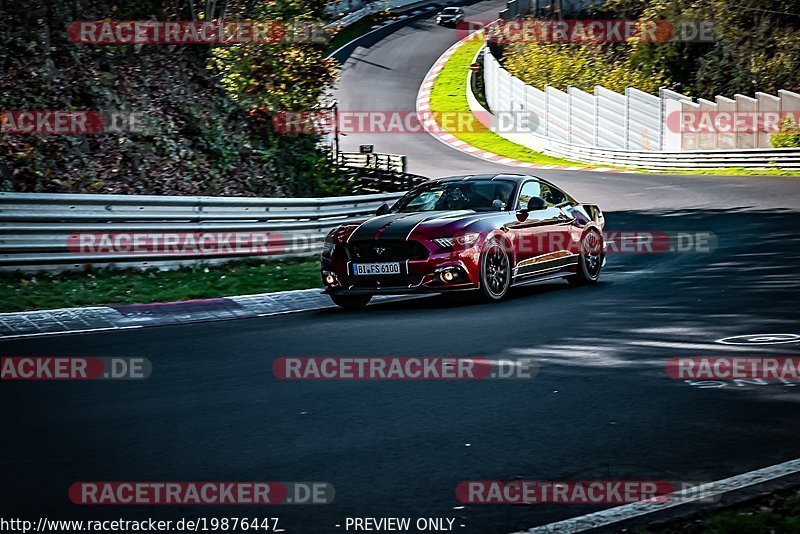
{"points": [[479, 232], [450, 16]]}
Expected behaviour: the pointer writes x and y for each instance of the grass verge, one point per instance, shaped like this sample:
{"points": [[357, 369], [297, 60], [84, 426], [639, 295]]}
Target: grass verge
{"points": [[449, 94], [19, 292], [776, 514]]}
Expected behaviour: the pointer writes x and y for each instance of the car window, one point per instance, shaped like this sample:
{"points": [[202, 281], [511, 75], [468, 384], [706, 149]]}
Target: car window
{"points": [[552, 195], [478, 195], [530, 189]]}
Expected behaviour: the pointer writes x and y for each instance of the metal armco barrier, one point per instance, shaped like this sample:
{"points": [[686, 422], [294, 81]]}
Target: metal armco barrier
{"points": [[379, 162], [518, 8], [369, 8], [785, 158], [40, 232]]}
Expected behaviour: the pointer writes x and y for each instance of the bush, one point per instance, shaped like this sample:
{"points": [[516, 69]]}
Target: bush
{"points": [[756, 46], [788, 135], [581, 66], [200, 134]]}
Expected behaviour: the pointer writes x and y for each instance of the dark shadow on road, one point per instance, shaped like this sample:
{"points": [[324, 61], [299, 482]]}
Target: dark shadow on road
{"points": [[600, 406]]}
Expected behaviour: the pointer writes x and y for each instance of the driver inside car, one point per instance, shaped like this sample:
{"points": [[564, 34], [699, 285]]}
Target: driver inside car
{"points": [[452, 199]]}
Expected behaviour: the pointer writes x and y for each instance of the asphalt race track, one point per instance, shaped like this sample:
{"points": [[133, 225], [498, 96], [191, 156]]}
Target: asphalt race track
{"points": [[601, 405]]}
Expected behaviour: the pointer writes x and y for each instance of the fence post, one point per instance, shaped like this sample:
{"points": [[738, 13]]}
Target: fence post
{"points": [[745, 104], [767, 104]]}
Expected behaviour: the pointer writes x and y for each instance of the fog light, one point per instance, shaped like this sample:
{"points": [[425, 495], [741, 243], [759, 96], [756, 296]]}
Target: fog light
{"points": [[329, 279], [448, 276]]}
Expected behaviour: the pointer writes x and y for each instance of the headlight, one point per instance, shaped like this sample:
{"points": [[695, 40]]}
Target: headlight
{"points": [[466, 240], [463, 240]]}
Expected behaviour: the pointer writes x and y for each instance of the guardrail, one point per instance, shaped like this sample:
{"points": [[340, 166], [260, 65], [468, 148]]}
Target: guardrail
{"points": [[43, 231], [367, 9], [406, 15], [379, 162], [592, 128], [519, 8]]}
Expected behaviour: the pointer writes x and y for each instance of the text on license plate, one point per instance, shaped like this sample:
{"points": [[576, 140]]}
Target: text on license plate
{"points": [[376, 268]]}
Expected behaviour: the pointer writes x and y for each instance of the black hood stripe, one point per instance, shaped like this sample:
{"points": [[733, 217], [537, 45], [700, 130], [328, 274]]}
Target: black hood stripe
{"points": [[397, 226], [402, 228], [369, 228]]}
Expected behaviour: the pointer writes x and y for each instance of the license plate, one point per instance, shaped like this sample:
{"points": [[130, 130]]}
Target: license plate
{"points": [[362, 269]]}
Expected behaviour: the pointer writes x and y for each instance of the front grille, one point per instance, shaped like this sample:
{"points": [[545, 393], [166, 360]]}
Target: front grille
{"points": [[380, 250], [389, 281]]}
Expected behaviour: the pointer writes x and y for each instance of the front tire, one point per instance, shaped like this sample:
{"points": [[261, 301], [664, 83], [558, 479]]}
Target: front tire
{"points": [[351, 302], [495, 271], [591, 259]]}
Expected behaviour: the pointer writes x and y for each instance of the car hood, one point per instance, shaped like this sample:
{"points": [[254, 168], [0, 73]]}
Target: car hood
{"points": [[401, 225]]}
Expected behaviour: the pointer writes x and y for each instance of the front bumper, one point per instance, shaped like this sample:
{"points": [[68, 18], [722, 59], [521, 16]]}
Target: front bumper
{"points": [[441, 271]]}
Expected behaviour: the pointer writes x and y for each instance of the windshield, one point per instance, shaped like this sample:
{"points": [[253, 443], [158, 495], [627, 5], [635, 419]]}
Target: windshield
{"points": [[451, 11], [477, 195]]}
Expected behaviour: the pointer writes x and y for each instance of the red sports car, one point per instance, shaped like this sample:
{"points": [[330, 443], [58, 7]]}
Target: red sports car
{"points": [[483, 232]]}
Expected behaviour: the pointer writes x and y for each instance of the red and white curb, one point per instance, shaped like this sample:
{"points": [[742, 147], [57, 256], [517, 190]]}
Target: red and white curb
{"points": [[125, 317], [424, 110]]}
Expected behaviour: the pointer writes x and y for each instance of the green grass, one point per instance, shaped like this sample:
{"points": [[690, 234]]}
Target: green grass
{"points": [[20, 292], [449, 94], [737, 171], [778, 513]]}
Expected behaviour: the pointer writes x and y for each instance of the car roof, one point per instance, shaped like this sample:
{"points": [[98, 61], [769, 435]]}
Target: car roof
{"points": [[472, 177]]}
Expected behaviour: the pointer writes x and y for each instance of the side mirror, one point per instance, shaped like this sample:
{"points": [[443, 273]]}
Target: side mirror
{"points": [[383, 209], [536, 204]]}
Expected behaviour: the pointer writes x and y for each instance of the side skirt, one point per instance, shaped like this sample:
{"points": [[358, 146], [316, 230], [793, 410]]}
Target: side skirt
{"points": [[544, 275]]}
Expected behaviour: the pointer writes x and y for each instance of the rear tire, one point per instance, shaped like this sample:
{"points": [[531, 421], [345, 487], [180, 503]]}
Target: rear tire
{"points": [[495, 271], [591, 259], [351, 302]]}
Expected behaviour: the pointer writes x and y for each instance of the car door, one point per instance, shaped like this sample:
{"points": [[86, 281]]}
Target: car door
{"points": [[562, 232], [538, 239]]}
